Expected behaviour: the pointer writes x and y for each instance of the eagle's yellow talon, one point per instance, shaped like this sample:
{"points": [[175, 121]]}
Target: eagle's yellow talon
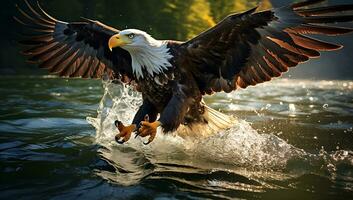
{"points": [[149, 129], [124, 132]]}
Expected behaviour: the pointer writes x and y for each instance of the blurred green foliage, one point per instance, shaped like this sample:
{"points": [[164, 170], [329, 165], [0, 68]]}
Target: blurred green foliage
{"points": [[176, 19]]}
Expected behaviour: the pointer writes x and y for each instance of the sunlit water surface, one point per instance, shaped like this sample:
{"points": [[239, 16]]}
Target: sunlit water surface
{"points": [[293, 140]]}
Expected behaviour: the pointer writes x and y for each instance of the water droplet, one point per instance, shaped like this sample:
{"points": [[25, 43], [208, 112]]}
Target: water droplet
{"points": [[55, 94], [233, 106], [331, 167], [291, 107]]}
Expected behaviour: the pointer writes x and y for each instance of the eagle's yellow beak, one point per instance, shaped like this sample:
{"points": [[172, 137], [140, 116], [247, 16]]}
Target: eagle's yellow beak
{"points": [[117, 41]]}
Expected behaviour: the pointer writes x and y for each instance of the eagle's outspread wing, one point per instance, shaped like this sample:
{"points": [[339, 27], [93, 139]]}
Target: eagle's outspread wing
{"points": [[250, 48], [78, 49]]}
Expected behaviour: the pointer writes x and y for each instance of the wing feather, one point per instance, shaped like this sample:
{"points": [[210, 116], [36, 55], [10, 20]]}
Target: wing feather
{"points": [[77, 49], [320, 30], [311, 43], [250, 48], [325, 10]]}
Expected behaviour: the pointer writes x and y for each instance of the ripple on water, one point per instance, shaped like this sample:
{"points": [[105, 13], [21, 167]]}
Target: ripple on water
{"points": [[48, 151]]}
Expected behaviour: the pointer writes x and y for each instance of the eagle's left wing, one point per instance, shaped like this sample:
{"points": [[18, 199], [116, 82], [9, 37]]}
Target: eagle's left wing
{"points": [[250, 48]]}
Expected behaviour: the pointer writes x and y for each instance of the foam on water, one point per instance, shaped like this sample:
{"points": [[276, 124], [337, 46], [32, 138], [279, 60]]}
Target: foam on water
{"points": [[238, 147]]}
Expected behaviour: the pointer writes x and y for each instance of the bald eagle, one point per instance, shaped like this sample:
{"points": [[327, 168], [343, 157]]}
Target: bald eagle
{"points": [[242, 50]]}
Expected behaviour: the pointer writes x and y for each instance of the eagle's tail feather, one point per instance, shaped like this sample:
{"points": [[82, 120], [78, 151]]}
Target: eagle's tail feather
{"points": [[216, 121]]}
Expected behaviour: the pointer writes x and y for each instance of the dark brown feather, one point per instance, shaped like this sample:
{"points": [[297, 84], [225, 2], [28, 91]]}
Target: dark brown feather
{"points": [[322, 30], [325, 10], [78, 49], [60, 62], [328, 19], [50, 21], [34, 20], [315, 44]]}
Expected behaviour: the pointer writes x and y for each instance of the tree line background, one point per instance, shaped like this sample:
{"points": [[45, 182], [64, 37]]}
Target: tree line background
{"points": [[168, 19]]}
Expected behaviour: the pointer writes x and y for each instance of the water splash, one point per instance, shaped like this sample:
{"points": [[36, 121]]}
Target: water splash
{"points": [[118, 102], [240, 147]]}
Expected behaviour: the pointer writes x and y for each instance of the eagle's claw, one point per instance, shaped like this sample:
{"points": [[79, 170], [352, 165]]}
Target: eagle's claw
{"points": [[117, 139], [148, 129], [136, 135], [147, 119], [124, 132]]}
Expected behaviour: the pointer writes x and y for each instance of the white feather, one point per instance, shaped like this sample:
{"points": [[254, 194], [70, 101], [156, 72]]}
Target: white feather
{"points": [[147, 53]]}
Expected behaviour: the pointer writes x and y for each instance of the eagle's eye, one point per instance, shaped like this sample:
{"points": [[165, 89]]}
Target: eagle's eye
{"points": [[131, 36]]}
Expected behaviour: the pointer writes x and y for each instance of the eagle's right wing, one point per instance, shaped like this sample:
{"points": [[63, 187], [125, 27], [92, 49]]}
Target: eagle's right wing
{"points": [[78, 49]]}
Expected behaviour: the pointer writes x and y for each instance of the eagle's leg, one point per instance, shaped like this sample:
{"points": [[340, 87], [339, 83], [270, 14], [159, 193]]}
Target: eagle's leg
{"points": [[171, 117], [126, 131]]}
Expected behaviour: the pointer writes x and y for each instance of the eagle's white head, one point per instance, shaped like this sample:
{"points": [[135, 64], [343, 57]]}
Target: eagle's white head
{"points": [[146, 52]]}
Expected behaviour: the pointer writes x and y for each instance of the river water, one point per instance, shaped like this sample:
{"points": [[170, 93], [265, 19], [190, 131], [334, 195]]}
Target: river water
{"points": [[293, 140]]}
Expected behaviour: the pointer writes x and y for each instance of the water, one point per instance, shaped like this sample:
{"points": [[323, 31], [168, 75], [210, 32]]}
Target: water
{"points": [[293, 140]]}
